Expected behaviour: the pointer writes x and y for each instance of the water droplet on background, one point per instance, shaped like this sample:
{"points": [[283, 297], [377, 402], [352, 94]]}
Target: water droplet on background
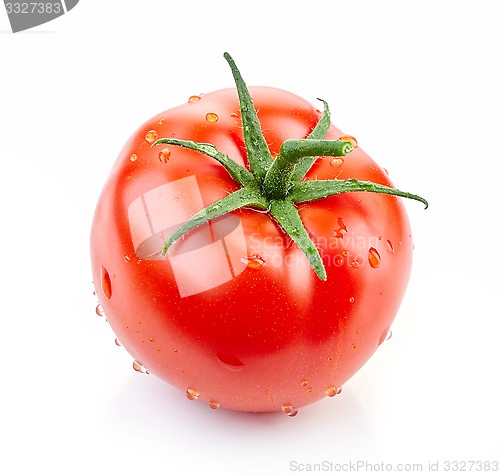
{"points": [[117, 342]]}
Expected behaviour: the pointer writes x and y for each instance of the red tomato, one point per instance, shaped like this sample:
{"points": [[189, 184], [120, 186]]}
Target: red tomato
{"points": [[234, 314]]}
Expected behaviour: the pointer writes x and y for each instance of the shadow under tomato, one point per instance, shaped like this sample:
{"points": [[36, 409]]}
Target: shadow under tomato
{"points": [[162, 416]]}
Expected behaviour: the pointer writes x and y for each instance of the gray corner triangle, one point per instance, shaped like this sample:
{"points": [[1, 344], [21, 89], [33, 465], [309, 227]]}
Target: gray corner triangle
{"points": [[70, 4]]}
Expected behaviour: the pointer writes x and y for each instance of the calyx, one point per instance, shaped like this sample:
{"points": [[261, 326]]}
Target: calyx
{"points": [[276, 186]]}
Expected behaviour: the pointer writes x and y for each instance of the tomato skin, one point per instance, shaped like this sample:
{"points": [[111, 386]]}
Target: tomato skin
{"points": [[268, 332]]}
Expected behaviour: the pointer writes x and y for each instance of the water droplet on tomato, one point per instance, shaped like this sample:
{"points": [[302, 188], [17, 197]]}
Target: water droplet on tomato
{"points": [[99, 310], [341, 228], [355, 264], [289, 410], [387, 335], [133, 157], [139, 368], [373, 257], [192, 394], [117, 342], [338, 261], [193, 99], [127, 259], [213, 405], [336, 162], [212, 117], [304, 383], [350, 139], [161, 121], [254, 262], [353, 346], [230, 362], [390, 246], [351, 299], [106, 282], [344, 253], [164, 155], [333, 391], [151, 136]]}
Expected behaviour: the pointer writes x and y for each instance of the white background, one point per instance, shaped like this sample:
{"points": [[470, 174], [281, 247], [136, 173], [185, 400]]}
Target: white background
{"points": [[415, 82]]}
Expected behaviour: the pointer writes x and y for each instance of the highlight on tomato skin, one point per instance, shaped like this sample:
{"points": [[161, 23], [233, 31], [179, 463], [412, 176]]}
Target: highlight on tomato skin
{"points": [[238, 268]]}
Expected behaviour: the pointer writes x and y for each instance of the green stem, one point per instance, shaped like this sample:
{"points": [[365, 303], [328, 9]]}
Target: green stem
{"points": [[279, 178], [318, 133], [287, 216], [236, 200], [296, 149], [276, 186], [319, 189], [239, 173], [259, 156]]}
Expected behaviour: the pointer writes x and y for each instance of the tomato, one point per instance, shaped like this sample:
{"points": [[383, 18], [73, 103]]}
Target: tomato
{"points": [[235, 313]]}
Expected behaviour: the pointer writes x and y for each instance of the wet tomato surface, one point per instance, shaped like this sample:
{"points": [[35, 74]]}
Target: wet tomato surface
{"points": [[234, 314]]}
